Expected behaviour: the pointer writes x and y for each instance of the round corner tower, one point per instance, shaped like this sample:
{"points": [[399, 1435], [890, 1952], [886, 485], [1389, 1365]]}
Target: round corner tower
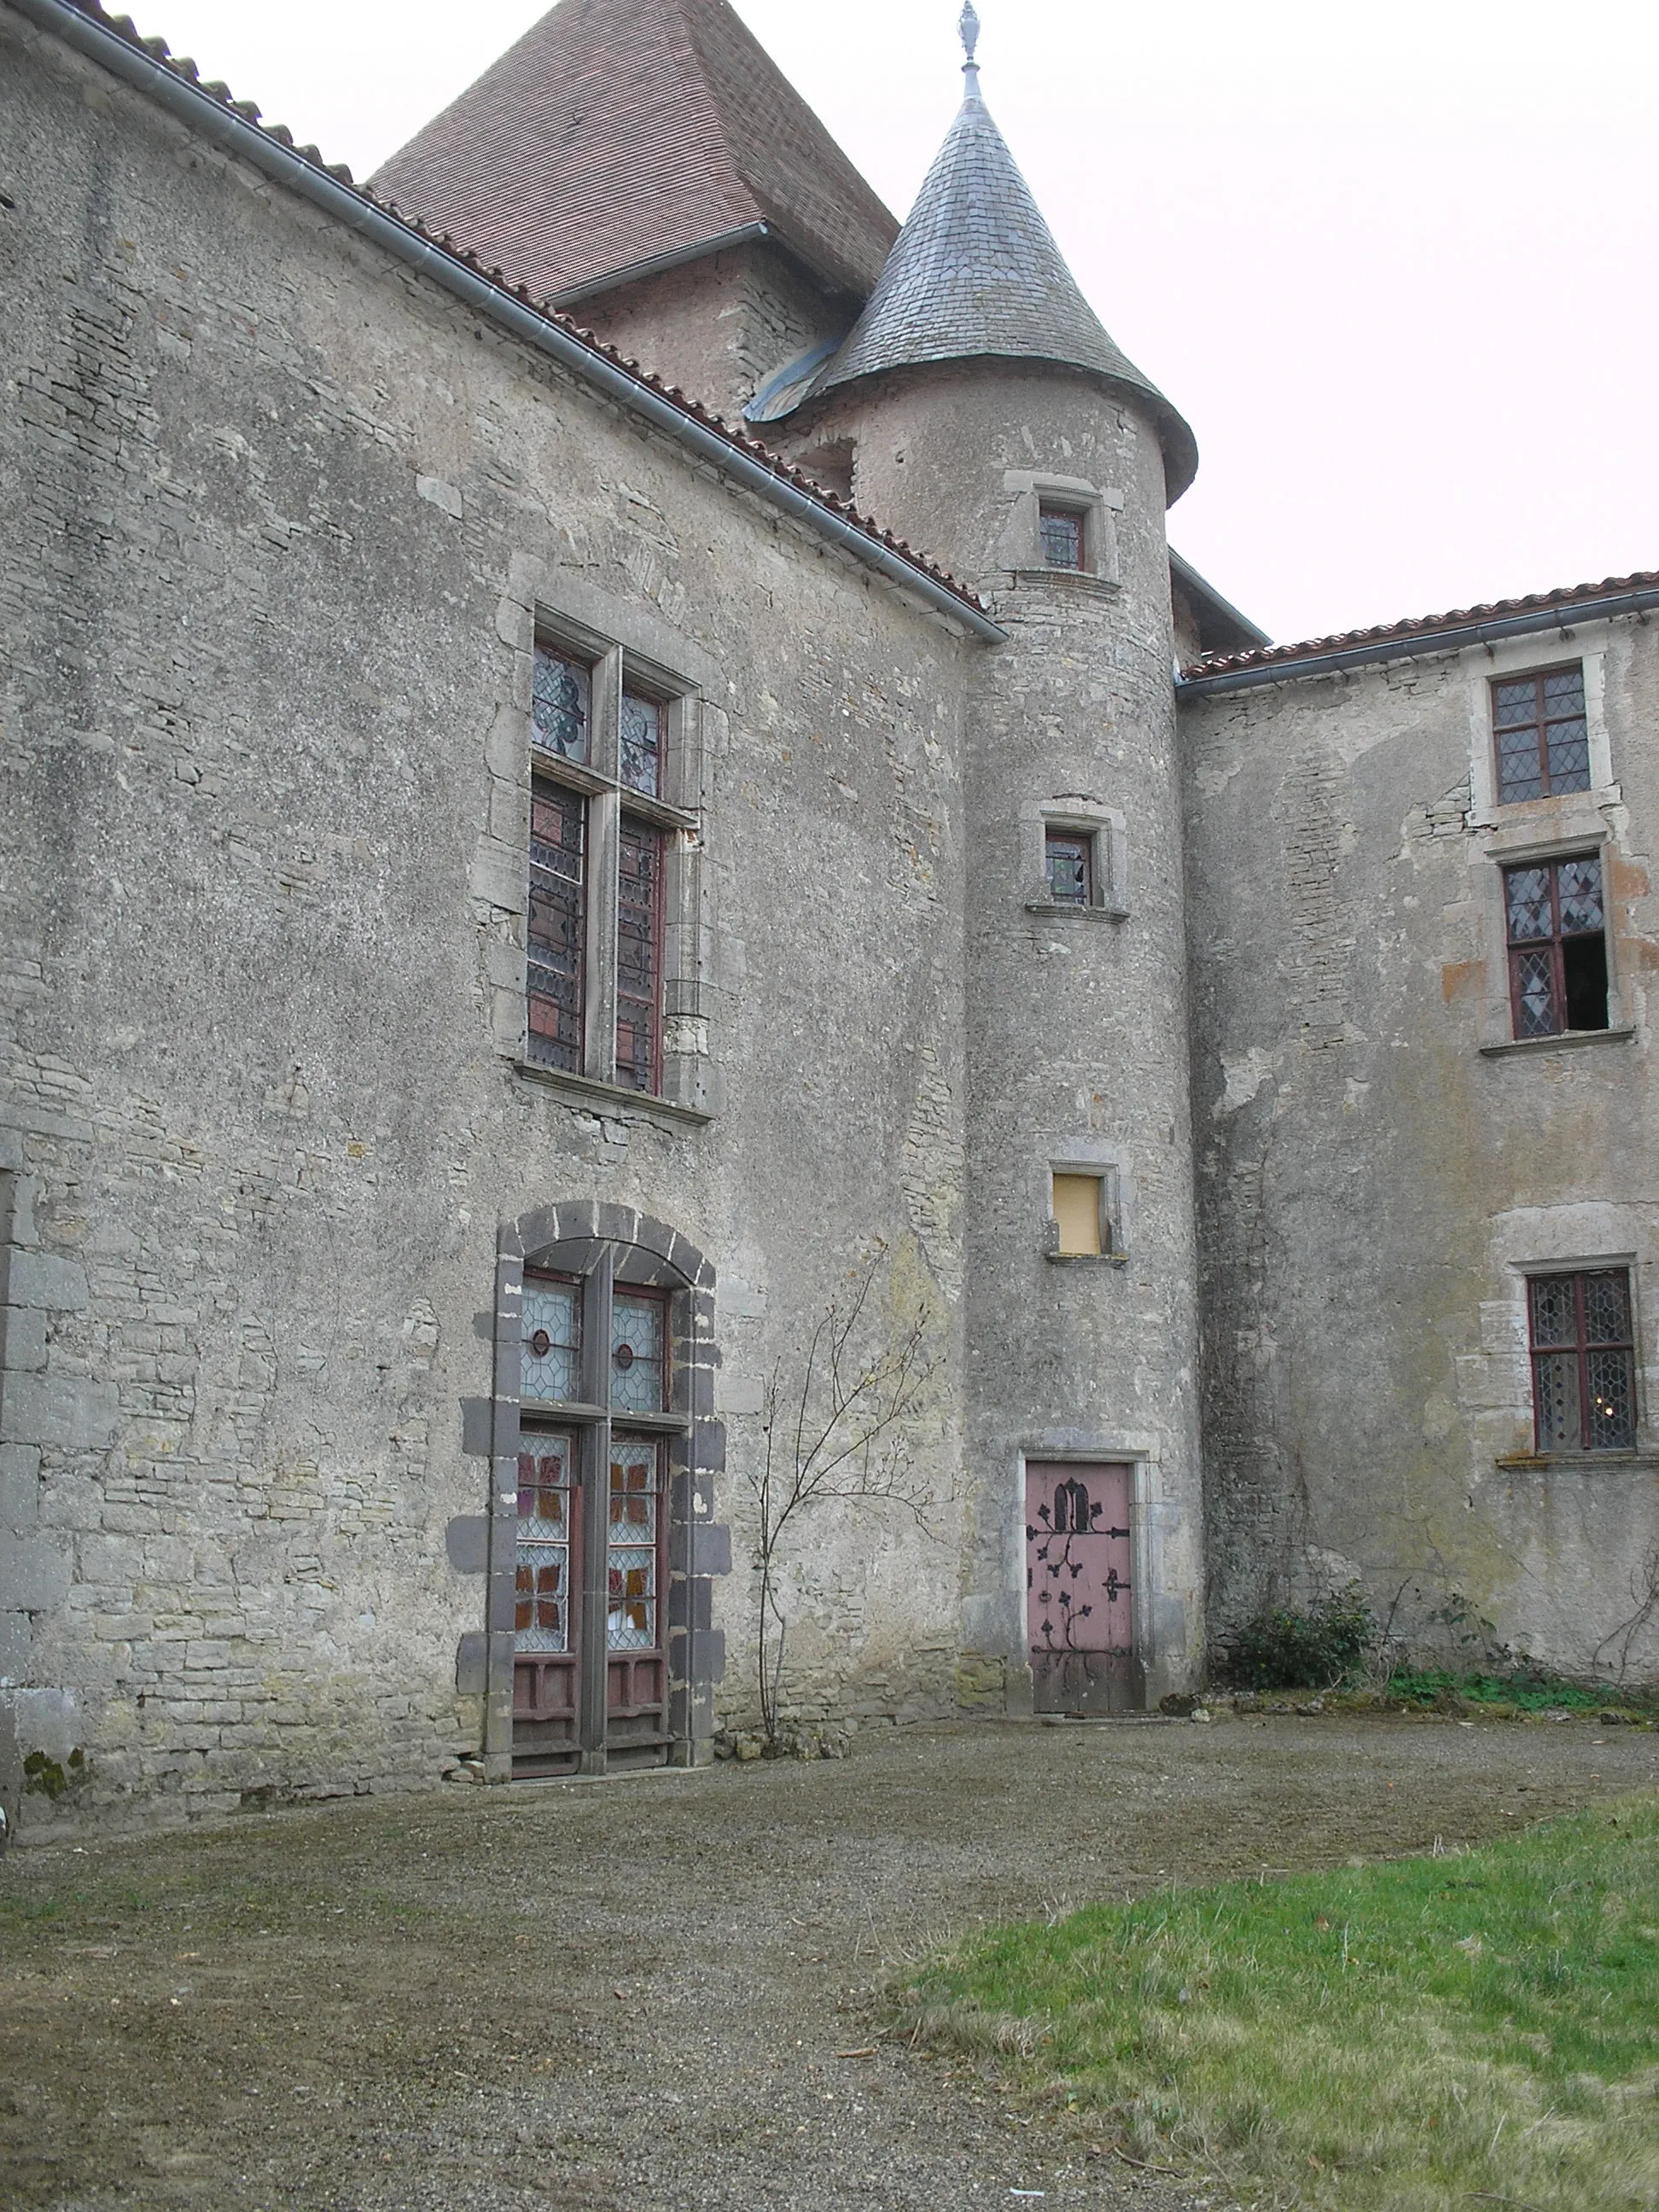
{"points": [[986, 416]]}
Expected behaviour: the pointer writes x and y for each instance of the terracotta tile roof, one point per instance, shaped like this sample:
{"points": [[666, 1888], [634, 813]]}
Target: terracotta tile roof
{"points": [[976, 272], [1494, 616], [753, 451], [620, 131]]}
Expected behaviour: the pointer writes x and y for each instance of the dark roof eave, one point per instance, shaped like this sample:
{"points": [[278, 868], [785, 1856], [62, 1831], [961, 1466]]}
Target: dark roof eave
{"points": [[82, 24], [821, 267], [1205, 599], [1637, 595]]}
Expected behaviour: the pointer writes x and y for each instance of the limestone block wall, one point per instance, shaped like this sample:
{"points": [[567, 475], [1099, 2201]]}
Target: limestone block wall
{"points": [[282, 520], [1380, 1166], [1076, 1020]]}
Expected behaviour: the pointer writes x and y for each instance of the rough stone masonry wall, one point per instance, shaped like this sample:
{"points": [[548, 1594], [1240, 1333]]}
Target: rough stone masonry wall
{"points": [[279, 515], [1378, 1171]]}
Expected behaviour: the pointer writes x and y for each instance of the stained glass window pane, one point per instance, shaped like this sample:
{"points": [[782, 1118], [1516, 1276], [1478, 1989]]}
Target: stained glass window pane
{"points": [[1564, 692], [1606, 1308], [1534, 994], [1611, 1401], [1568, 756], [541, 1613], [1554, 1309], [631, 1619], [1520, 773], [636, 1353], [642, 744], [1062, 538], [1580, 884], [556, 928], [552, 1340], [1515, 702], [560, 705]]}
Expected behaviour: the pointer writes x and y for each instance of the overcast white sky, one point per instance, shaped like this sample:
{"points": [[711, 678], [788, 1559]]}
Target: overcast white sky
{"points": [[1393, 263]]}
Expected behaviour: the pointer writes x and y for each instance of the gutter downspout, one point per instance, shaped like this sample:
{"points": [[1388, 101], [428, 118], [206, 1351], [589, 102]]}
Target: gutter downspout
{"points": [[1409, 649], [247, 142]]}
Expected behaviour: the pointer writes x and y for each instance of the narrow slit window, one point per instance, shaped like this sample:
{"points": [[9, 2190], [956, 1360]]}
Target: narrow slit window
{"points": [[1558, 946], [1540, 733], [1062, 537], [1583, 1361], [1069, 856], [557, 926], [640, 904], [560, 705], [1080, 1217]]}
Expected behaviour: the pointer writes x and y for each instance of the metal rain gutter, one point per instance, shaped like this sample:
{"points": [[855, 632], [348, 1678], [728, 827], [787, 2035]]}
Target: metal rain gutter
{"points": [[1453, 639], [209, 118]]}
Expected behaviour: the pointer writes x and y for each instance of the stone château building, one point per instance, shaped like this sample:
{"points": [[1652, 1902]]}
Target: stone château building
{"points": [[595, 805]]}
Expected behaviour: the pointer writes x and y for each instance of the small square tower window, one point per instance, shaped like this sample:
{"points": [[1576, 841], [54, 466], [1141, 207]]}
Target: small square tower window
{"points": [[1069, 858], [1080, 1216], [1062, 537], [1542, 734]]}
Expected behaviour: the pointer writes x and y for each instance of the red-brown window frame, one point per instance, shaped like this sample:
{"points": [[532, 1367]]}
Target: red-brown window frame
{"points": [[638, 827], [1583, 1346], [1057, 511], [1539, 725], [566, 1052], [1519, 946]]}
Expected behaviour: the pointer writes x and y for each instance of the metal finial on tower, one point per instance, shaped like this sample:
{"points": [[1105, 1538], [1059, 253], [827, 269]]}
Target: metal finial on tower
{"points": [[969, 27]]}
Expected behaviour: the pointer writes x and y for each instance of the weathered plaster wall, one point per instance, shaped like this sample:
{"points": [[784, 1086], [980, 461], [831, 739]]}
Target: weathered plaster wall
{"points": [[279, 518], [1077, 1051], [718, 327], [1378, 1172]]}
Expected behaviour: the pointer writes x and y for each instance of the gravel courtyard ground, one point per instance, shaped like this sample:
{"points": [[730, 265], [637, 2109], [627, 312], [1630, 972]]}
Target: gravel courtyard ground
{"points": [[659, 1993]]}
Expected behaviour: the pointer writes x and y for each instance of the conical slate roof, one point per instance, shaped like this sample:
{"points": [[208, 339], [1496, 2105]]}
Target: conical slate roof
{"points": [[623, 132], [976, 272]]}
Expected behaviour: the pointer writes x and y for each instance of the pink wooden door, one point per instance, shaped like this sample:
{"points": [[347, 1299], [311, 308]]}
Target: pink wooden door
{"points": [[1080, 1601]]}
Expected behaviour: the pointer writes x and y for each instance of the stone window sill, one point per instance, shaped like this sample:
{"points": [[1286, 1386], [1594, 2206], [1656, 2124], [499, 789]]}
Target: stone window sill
{"points": [[1589, 1462], [1070, 579], [1052, 910], [1087, 1259], [546, 1409], [617, 1096], [1565, 1041]]}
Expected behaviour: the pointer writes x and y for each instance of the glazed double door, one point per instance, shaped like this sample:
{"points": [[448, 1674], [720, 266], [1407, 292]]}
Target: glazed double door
{"points": [[590, 1669], [1080, 1594]]}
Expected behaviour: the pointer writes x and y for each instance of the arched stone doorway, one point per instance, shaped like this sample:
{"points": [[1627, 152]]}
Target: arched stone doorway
{"points": [[603, 1447]]}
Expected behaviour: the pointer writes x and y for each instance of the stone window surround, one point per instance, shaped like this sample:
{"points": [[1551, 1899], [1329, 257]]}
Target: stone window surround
{"points": [[1517, 845], [1527, 656], [1028, 492], [1082, 816], [1101, 1158], [586, 1237], [1570, 1238], [1139, 1455], [545, 605]]}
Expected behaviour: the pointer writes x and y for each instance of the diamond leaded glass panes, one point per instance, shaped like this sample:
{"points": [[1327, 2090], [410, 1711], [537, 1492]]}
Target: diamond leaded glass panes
{"points": [[632, 1560], [555, 929], [637, 1346], [1583, 1361], [551, 1356], [642, 744], [1540, 734], [560, 705], [1556, 923], [541, 1616]]}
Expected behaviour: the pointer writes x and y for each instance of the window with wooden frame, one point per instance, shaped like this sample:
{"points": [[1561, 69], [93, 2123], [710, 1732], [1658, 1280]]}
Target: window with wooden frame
{"points": [[1064, 536], [1583, 1361], [1069, 864], [604, 838], [1556, 926], [1541, 732]]}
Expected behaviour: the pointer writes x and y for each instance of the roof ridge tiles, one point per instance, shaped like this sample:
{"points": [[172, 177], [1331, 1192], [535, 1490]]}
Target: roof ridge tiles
{"points": [[1485, 613], [183, 68]]}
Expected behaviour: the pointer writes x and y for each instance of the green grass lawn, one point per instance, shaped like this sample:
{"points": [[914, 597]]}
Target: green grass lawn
{"points": [[1481, 2028]]}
